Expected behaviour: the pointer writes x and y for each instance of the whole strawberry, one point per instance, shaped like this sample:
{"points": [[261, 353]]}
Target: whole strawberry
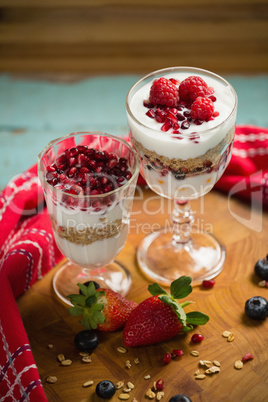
{"points": [[160, 317], [102, 309]]}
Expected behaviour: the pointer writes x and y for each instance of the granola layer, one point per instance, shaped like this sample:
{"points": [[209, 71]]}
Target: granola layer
{"points": [[210, 158], [89, 235]]}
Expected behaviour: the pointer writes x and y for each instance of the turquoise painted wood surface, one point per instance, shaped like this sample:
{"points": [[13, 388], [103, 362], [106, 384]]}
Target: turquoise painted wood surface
{"points": [[33, 112]]}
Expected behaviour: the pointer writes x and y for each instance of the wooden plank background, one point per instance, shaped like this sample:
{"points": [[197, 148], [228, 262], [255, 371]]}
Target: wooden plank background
{"points": [[134, 36]]}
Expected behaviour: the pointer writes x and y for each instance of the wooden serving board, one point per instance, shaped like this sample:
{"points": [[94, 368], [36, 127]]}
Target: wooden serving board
{"points": [[47, 320]]}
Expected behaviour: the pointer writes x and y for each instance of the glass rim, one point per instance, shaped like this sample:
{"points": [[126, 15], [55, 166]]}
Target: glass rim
{"points": [[191, 69], [102, 134]]}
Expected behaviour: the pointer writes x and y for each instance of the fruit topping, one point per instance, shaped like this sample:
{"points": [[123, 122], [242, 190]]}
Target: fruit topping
{"points": [[161, 317], [159, 385], [197, 338], [202, 109], [176, 105], [164, 92], [101, 309], [105, 389], [167, 358], [86, 341], [86, 171], [192, 87], [180, 398], [261, 268], [256, 308]]}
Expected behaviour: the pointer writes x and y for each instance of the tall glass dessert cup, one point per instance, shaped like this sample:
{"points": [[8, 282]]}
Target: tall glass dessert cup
{"points": [[89, 181], [183, 152]]}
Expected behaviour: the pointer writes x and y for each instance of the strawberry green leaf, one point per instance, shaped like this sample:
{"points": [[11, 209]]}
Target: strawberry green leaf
{"points": [[156, 289], [177, 308], [83, 288], [75, 311], [181, 287], [90, 300], [186, 303], [77, 299], [196, 318]]}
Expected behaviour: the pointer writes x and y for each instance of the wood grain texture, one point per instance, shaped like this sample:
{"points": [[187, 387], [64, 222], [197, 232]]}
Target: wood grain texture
{"points": [[47, 320], [134, 36]]}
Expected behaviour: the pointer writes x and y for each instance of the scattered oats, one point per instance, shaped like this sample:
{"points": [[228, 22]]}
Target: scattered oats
{"points": [[134, 400], [137, 360], [66, 362], [231, 337], [128, 364], [197, 372], [200, 376], [262, 284], [225, 334], [50, 346], [159, 395], [124, 396], [61, 357], [121, 350], [130, 385], [126, 390], [194, 353], [83, 354], [86, 359], [119, 385], [206, 363], [212, 370], [88, 383], [216, 363], [147, 377], [150, 394], [238, 364], [51, 379]]}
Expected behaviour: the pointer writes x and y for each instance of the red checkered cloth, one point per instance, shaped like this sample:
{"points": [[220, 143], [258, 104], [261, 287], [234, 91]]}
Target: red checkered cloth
{"points": [[28, 252]]}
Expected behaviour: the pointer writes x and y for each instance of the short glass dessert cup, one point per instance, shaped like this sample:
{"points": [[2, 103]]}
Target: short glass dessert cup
{"points": [[181, 166], [89, 229]]}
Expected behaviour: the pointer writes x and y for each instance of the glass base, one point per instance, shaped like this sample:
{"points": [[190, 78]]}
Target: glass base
{"points": [[163, 260], [113, 276]]}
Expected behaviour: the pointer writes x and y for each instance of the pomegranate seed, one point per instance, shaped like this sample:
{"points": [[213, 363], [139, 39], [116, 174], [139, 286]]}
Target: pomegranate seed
{"points": [[246, 357], [208, 284], [187, 113], [198, 122], [128, 175], [72, 162], [51, 168], [171, 117], [216, 114], [72, 172], [177, 352], [167, 358], [185, 124], [95, 192], [150, 113], [197, 338], [166, 126], [98, 169], [73, 152], [213, 98], [92, 163], [159, 385], [180, 117], [160, 116], [112, 162], [108, 188], [90, 152], [148, 104], [81, 148]]}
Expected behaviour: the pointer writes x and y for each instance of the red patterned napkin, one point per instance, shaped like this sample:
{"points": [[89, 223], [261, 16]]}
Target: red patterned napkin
{"points": [[28, 251]]}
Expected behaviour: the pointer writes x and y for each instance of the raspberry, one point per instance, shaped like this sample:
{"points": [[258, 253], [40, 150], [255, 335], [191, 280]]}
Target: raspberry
{"points": [[202, 109], [164, 92], [192, 87]]}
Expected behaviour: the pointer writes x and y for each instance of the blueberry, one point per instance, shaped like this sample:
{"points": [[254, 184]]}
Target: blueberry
{"points": [[105, 389], [97, 286], [180, 398], [261, 268], [256, 308], [86, 341]]}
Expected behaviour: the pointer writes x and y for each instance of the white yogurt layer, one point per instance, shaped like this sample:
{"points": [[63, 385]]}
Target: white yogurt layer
{"points": [[149, 133], [99, 252]]}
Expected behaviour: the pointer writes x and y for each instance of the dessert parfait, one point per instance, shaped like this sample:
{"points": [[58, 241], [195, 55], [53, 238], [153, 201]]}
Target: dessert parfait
{"points": [[89, 181], [182, 124]]}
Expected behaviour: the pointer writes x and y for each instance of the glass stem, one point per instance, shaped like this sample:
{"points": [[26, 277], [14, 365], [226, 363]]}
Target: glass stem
{"points": [[182, 219]]}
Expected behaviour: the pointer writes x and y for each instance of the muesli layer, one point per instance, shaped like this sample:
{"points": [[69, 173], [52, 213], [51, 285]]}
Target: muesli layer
{"points": [[209, 159], [91, 234]]}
